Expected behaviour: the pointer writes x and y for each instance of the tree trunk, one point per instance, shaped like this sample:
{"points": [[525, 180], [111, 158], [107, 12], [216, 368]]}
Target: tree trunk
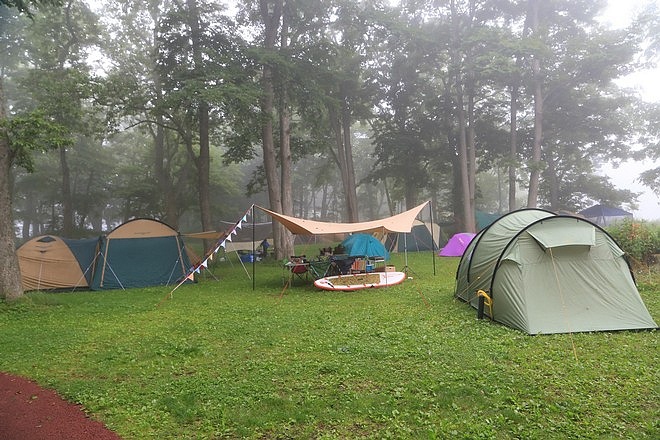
{"points": [[411, 195], [67, 204], [10, 274], [286, 167], [346, 171], [553, 181], [350, 189], [513, 147], [471, 152], [271, 14], [30, 214], [535, 165], [466, 211], [165, 183], [203, 169], [204, 158], [468, 215], [287, 173]]}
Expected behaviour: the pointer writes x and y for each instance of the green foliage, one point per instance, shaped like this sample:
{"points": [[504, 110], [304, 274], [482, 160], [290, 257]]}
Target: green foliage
{"points": [[220, 360], [640, 240], [23, 6], [33, 132]]}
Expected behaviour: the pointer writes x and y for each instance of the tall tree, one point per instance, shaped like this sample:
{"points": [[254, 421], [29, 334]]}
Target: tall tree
{"points": [[208, 90], [537, 81], [60, 82], [270, 13], [13, 149]]}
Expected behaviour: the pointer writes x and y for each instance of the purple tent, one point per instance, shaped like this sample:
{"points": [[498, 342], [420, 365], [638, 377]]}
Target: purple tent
{"points": [[457, 245]]}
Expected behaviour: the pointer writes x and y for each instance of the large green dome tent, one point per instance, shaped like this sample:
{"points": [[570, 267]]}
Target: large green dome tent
{"points": [[547, 273]]}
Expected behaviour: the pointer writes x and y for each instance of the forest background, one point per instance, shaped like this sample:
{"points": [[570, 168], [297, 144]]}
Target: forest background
{"points": [[342, 110]]}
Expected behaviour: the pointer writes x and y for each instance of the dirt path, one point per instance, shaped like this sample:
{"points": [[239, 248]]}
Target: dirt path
{"points": [[29, 412]]}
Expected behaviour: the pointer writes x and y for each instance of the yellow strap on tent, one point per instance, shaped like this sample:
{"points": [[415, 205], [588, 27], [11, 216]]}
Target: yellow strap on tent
{"points": [[487, 300]]}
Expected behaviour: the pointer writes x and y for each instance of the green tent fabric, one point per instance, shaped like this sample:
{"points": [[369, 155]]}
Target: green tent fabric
{"points": [[140, 253], [547, 273]]}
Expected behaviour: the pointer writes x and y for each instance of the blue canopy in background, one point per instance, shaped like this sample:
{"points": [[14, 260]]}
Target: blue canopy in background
{"points": [[357, 245]]}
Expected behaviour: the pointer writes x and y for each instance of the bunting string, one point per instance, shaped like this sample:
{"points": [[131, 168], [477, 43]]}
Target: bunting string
{"points": [[220, 244]]}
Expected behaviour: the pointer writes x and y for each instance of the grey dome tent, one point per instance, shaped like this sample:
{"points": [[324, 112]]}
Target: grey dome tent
{"points": [[547, 273]]}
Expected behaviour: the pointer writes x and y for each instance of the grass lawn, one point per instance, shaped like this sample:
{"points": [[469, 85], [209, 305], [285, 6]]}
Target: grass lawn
{"points": [[221, 360]]}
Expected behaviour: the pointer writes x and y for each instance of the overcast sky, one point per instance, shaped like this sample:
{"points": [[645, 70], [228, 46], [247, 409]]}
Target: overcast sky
{"points": [[618, 14]]}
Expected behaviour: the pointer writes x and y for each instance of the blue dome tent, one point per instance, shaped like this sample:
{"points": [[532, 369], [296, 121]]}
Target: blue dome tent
{"points": [[364, 245]]}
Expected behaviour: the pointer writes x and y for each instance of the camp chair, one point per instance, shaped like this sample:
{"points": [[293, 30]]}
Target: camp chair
{"points": [[320, 268], [299, 266], [341, 264]]}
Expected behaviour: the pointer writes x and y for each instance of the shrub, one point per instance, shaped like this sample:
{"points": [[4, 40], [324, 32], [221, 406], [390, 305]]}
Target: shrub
{"points": [[640, 240]]}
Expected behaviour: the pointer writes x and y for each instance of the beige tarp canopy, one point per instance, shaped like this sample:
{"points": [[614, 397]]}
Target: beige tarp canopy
{"points": [[397, 223]]}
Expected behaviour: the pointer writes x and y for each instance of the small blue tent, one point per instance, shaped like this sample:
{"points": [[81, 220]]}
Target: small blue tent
{"points": [[364, 245]]}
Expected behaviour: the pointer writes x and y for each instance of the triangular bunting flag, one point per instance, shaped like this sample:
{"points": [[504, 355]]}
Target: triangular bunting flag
{"points": [[191, 276]]}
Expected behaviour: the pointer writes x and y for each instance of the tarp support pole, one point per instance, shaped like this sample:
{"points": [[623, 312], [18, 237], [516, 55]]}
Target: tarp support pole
{"points": [[434, 250], [254, 253], [405, 252]]}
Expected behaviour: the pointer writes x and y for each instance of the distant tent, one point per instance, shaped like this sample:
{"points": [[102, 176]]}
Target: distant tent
{"points": [[457, 244], [242, 239], [140, 253], [364, 245], [420, 238], [605, 215], [49, 262], [484, 219], [545, 273]]}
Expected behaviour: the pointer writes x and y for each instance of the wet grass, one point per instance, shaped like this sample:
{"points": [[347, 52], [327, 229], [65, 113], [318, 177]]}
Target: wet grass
{"points": [[221, 360]]}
